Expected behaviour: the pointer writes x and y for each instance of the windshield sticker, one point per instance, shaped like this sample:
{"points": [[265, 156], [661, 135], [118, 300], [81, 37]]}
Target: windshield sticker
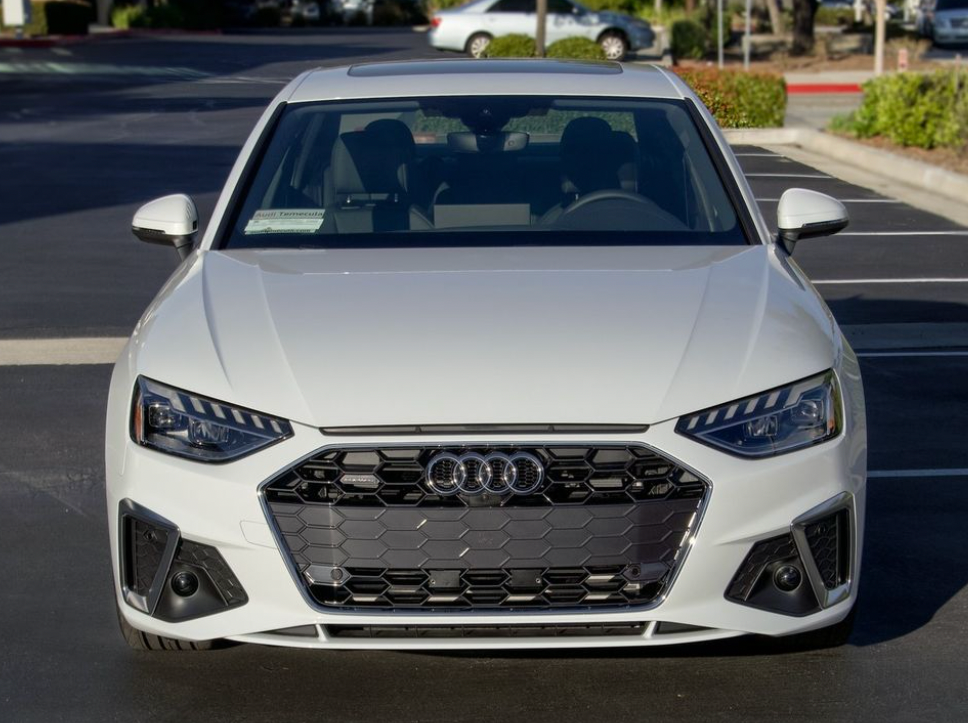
{"points": [[292, 220]]}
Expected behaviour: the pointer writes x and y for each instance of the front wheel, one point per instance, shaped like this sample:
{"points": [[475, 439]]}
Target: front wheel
{"points": [[477, 44], [614, 45]]}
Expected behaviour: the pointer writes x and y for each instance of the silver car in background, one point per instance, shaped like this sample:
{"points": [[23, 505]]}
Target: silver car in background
{"points": [[471, 27]]}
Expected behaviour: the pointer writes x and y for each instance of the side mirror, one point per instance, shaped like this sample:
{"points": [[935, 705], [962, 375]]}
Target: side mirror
{"points": [[171, 220], [805, 214]]}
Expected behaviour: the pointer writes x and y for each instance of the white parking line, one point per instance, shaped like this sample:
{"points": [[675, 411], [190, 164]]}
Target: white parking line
{"points": [[911, 280], [960, 232], [896, 473], [876, 354], [843, 200], [787, 175], [31, 352]]}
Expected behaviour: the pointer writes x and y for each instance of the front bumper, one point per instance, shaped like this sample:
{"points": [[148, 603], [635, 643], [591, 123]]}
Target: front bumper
{"points": [[748, 502]]}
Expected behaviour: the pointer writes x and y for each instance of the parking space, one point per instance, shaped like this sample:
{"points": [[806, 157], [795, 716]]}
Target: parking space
{"points": [[71, 269], [893, 264]]}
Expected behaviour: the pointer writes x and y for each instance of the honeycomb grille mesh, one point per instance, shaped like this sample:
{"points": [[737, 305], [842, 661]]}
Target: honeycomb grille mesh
{"points": [[607, 527], [828, 540], [147, 545], [210, 560]]}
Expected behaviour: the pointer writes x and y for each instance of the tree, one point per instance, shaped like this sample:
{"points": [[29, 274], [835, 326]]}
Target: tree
{"points": [[803, 15], [776, 17]]}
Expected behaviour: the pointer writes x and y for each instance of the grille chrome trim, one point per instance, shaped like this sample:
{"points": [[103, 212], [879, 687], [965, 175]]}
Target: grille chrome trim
{"points": [[678, 563], [446, 429]]}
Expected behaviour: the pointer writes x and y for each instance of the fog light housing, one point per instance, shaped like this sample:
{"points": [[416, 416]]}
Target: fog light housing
{"points": [[184, 584], [787, 578]]}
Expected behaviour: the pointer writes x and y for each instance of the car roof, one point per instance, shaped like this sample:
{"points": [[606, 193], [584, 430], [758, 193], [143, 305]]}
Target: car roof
{"points": [[423, 78]]}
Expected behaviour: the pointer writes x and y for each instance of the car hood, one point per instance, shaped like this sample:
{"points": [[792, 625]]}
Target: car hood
{"points": [[484, 336]]}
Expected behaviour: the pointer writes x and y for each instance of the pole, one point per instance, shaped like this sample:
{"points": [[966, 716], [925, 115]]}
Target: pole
{"points": [[719, 23], [879, 33], [748, 35], [104, 12], [539, 36]]}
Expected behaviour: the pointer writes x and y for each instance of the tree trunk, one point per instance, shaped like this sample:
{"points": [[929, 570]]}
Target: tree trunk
{"points": [[776, 17], [803, 14], [690, 6]]}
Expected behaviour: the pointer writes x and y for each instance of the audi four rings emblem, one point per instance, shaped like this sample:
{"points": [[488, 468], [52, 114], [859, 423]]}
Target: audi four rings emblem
{"points": [[474, 474]]}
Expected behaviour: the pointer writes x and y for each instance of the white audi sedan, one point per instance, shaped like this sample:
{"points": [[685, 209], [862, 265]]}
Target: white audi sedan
{"points": [[471, 27], [486, 354]]}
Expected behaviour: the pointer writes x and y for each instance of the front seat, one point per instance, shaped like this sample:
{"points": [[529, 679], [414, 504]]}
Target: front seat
{"points": [[371, 172], [593, 158]]}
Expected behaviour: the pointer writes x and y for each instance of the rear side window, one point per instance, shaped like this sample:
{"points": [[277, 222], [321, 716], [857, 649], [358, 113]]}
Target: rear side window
{"points": [[485, 170]]}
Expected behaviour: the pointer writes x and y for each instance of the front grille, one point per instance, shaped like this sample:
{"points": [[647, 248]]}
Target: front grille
{"points": [[829, 539], [605, 527], [501, 588], [485, 631], [394, 477]]}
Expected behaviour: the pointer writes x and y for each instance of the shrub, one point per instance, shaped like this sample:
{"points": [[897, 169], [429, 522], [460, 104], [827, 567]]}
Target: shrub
{"points": [[127, 16], [833, 16], [621, 6], [174, 14], [689, 39], [576, 48], [511, 46], [398, 12], [58, 17], [926, 110], [739, 99], [267, 16]]}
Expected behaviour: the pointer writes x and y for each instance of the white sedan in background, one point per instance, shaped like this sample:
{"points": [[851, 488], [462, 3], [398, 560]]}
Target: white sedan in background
{"points": [[471, 27]]}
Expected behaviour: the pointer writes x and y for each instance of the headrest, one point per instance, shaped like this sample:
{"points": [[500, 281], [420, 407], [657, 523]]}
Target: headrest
{"points": [[594, 157], [373, 161]]}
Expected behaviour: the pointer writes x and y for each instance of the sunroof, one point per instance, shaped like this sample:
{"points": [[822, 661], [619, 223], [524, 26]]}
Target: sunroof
{"points": [[463, 67]]}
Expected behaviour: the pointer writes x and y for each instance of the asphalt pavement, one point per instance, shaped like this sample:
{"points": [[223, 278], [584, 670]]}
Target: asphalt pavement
{"points": [[86, 136]]}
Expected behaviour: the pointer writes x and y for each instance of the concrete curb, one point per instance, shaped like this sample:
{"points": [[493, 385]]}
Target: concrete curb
{"points": [[56, 41], [873, 160]]}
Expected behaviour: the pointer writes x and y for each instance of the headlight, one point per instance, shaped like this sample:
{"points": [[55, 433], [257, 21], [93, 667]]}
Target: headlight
{"points": [[184, 424], [780, 420]]}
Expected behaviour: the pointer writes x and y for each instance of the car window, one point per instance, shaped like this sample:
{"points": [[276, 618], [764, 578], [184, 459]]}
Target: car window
{"points": [[489, 170], [562, 7], [513, 6]]}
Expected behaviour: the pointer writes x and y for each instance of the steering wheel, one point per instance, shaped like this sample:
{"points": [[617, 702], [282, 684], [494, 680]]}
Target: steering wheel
{"points": [[609, 194]]}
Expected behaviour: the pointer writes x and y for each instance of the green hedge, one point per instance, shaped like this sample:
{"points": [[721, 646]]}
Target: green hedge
{"points": [[689, 39], [833, 16], [523, 46], [739, 99], [184, 14], [576, 49], [59, 17], [511, 46], [926, 110]]}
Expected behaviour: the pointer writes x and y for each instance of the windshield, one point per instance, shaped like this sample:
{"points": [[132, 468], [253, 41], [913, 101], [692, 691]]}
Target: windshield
{"points": [[484, 170], [951, 5]]}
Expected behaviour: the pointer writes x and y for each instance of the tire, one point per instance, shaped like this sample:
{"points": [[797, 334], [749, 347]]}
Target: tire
{"points": [[477, 44], [833, 636], [146, 642], [614, 45]]}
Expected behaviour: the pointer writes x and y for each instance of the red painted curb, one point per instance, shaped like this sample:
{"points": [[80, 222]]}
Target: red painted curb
{"points": [[804, 88]]}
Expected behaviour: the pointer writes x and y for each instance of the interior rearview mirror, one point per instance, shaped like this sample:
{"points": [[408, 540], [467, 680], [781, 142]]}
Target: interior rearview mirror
{"points": [[803, 214], [171, 220]]}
